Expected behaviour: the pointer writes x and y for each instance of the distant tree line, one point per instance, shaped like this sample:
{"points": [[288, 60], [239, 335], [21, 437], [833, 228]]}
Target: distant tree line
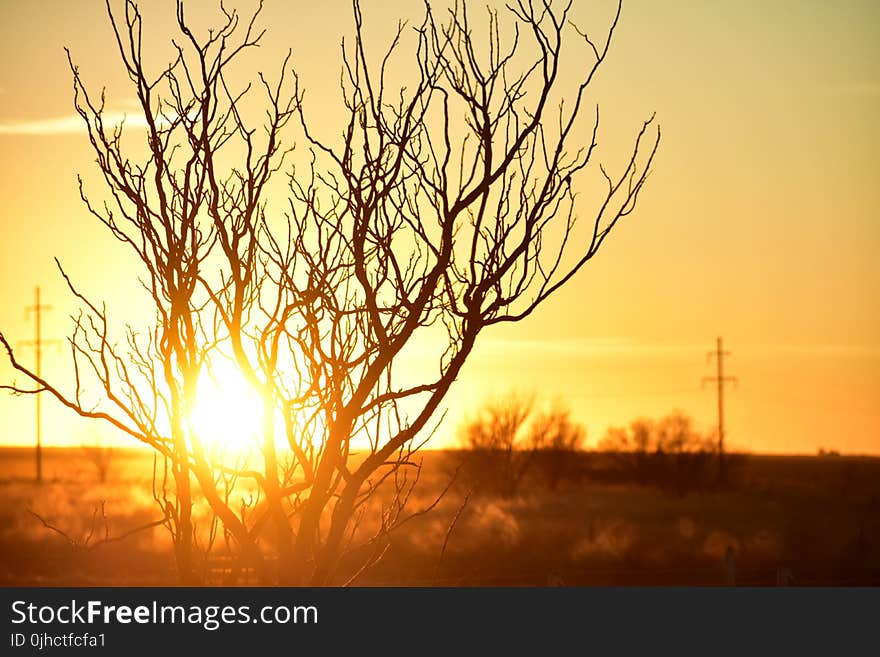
{"points": [[510, 444], [510, 438], [668, 453]]}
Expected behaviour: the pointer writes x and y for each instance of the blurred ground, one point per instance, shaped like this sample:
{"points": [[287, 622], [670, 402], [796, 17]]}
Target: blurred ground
{"points": [[790, 520]]}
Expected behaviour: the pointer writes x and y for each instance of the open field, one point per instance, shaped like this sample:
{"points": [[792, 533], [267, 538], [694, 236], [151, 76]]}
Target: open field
{"points": [[796, 520]]}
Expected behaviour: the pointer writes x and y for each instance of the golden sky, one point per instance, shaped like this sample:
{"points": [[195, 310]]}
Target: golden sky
{"points": [[760, 222]]}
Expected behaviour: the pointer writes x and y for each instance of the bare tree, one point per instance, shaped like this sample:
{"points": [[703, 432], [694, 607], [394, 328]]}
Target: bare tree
{"points": [[173, 210], [441, 208], [509, 436], [557, 439], [632, 447], [669, 453], [498, 444]]}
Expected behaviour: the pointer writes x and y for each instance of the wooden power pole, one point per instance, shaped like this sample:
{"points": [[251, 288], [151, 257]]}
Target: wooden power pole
{"points": [[37, 343], [720, 379]]}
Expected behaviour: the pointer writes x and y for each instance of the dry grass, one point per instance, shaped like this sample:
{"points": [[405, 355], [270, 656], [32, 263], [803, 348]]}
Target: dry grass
{"points": [[817, 517]]}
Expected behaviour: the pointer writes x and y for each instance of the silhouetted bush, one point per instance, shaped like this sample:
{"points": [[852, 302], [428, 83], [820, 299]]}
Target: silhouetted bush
{"points": [[668, 453], [505, 442], [555, 439], [493, 438]]}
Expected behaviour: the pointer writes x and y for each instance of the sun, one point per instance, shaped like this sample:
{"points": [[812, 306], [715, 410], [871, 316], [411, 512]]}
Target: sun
{"points": [[228, 412]]}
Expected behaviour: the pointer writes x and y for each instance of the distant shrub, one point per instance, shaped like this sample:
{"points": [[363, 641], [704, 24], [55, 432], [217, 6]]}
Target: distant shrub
{"points": [[555, 439], [506, 440], [668, 453]]}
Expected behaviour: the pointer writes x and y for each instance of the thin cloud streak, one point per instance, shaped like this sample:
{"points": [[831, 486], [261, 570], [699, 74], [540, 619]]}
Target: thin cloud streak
{"points": [[74, 124], [627, 347], [592, 346], [67, 125]]}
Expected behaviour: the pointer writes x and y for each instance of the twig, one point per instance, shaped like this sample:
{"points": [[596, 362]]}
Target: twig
{"points": [[449, 529], [87, 544]]}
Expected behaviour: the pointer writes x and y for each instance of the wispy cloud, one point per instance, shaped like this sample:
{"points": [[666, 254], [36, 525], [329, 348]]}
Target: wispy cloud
{"points": [[624, 347], [592, 346], [65, 125], [828, 350]]}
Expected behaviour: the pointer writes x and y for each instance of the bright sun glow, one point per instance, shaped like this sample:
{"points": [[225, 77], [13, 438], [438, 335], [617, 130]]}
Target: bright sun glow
{"points": [[228, 411]]}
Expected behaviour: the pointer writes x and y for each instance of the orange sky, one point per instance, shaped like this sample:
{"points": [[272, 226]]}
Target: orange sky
{"points": [[759, 223]]}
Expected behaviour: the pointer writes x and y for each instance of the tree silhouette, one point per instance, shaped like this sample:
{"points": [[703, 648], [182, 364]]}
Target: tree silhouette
{"points": [[446, 206], [507, 437], [669, 452], [497, 440], [556, 439]]}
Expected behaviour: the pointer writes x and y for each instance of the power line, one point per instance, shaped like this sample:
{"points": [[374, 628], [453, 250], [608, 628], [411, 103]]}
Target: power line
{"points": [[37, 343], [720, 379]]}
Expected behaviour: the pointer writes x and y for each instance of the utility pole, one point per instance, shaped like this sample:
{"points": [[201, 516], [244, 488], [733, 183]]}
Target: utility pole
{"points": [[37, 343], [718, 354]]}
